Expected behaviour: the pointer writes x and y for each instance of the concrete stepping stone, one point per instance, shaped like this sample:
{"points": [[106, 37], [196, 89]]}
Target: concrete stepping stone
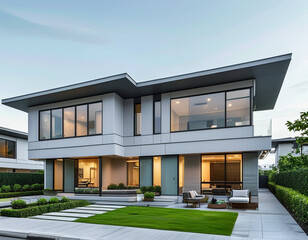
{"points": [[55, 218], [95, 209], [68, 214], [106, 206], [83, 211]]}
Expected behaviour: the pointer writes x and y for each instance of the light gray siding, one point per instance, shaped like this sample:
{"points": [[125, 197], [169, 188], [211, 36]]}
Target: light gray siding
{"points": [[192, 171], [250, 172], [48, 174], [69, 175]]}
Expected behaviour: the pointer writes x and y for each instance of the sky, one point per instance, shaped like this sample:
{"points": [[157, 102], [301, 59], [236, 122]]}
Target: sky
{"points": [[48, 44]]}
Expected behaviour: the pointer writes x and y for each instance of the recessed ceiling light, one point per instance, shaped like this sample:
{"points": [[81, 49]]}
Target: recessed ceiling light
{"points": [[229, 105], [209, 99], [177, 102], [215, 108]]}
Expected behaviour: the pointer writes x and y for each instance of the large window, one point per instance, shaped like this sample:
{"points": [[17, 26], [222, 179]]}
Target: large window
{"points": [[133, 172], [221, 172], [137, 118], [210, 110], [238, 108], [56, 123], [44, 125], [95, 118], [88, 174], [7, 148], [81, 120]]}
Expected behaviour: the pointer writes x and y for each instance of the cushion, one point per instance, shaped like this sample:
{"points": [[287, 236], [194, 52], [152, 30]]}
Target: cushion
{"points": [[192, 194], [240, 193], [239, 200], [196, 194]]}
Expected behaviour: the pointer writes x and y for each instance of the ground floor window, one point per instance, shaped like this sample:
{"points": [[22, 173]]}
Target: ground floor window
{"points": [[88, 173], [221, 173], [181, 174], [133, 172], [156, 171]]}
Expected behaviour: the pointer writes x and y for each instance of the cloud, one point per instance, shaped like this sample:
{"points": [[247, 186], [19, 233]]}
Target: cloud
{"points": [[13, 24], [300, 87]]}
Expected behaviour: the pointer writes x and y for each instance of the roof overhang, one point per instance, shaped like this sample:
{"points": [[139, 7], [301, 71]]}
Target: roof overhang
{"points": [[268, 73], [13, 133]]}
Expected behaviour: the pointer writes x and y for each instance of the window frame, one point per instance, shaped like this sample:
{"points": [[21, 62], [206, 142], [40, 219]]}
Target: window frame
{"points": [[6, 146], [67, 106], [155, 100], [225, 114]]}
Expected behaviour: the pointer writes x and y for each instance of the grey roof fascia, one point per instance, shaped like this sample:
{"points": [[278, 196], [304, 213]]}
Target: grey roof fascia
{"points": [[13, 133]]}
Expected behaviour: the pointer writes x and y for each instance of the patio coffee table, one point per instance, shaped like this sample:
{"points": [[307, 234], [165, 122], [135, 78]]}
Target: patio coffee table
{"points": [[217, 205]]}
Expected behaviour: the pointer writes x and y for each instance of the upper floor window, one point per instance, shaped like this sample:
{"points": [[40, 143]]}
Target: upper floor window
{"points": [[216, 110], [238, 108], [7, 148], [137, 117], [157, 114], [81, 120]]}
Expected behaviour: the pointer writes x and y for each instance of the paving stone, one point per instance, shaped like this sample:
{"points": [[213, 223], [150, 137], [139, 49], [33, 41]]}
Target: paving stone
{"points": [[83, 211], [95, 209], [106, 206], [68, 214], [55, 218]]}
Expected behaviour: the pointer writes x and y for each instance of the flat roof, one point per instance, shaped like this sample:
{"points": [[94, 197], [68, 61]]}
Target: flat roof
{"points": [[13, 133], [269, 74]]}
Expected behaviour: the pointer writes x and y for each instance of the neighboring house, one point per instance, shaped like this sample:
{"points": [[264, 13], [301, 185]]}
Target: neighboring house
{"points": [[191, 131], [14, 153], [266, 166], [284, 146]]}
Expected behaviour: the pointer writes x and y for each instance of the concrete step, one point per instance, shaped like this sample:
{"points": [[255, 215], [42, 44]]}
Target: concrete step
{"points": [[83, 211], [106, 206], [68, 214], [55, 218], [95, 209]]}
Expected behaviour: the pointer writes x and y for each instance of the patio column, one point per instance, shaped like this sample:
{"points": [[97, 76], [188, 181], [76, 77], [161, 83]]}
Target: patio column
{"points": [[100, 175]]}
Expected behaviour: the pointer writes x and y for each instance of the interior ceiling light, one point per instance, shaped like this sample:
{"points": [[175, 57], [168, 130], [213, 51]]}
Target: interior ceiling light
{"points": [[229, 105], [177, 102]]}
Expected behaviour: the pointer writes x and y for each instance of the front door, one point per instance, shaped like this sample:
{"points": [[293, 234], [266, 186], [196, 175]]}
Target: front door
{"points": [[169, 175]]}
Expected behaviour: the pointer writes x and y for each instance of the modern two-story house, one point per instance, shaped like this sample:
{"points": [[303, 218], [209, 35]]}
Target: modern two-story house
{"points": [[187, 132]]}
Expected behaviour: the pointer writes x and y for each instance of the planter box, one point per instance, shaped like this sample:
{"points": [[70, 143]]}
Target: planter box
{"points": [[217, 206], [50, 193], [148, 199]]}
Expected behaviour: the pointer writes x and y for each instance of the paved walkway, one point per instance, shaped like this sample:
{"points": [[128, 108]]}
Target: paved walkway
{"points": [[70, 215]]}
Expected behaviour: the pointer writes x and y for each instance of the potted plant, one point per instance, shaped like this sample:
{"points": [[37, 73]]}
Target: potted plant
{"points": [[148, 196], [49, 192]]}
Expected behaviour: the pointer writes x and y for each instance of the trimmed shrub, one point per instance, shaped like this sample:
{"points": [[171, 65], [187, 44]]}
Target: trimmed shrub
{"points": [[17, 188], [294, 202], [36, 186], [121, 186], [38, 210], [21, 178], [149, 196], [143, 189], [19, 194], [18, 204], [112, 186], [87, 190], [272, 176], [26, 187], [41, 201], [53, 200], [150, 189], [157, 189], [6, 188], [64, 200], [0, 190], [271, 187], [295, 179]]}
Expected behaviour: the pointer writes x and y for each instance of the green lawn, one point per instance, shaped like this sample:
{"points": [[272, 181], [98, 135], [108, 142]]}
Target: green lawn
{"points": [[210, 222], [5, 199]]}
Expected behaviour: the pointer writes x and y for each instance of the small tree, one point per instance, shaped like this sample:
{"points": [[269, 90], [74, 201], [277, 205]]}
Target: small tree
{"points": [[300, 125]]}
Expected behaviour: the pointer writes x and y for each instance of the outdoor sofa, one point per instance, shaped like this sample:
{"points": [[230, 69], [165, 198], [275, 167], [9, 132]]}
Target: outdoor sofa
{"points": [[193, 198], [240, 198]]}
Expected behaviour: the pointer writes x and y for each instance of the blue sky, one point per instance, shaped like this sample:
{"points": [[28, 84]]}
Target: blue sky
{"points": [[47, 44]]}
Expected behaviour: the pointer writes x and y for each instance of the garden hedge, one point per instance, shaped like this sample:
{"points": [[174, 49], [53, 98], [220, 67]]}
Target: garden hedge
{"points": [[20, 194], [21, 178], [38, 210], [295, 179], [294, 201]]}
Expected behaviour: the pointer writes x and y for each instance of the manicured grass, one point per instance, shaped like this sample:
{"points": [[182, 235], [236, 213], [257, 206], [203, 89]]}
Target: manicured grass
{"points": [[210, 222], [5, 199]]}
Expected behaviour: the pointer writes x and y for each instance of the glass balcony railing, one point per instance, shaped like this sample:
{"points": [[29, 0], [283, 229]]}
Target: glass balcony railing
{"points": [[262, 127]]}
